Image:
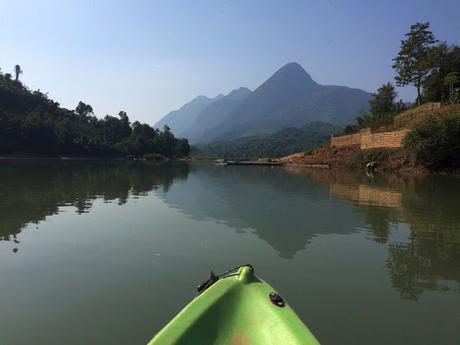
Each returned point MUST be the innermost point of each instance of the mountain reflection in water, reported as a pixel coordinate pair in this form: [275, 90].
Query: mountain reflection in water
[285, 208]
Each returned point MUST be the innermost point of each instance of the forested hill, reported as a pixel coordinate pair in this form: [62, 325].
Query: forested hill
[280, 143]
[31, 123]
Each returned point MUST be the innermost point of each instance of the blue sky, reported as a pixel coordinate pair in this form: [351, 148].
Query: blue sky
[150, 57]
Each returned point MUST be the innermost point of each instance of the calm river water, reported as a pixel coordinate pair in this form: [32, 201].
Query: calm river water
[107, 253]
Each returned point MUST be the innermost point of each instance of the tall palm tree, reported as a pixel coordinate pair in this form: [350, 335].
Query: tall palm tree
[18, 71]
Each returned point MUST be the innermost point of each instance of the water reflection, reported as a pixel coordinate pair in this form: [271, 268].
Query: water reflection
[417, 220]
[285, 210]
[429, 258]
[29, 192]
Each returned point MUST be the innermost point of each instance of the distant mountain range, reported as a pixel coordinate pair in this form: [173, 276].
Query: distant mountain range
[289, 98]
[213, 115]
[181, 119]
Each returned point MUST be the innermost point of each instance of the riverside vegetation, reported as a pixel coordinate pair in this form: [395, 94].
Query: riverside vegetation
[433, 68]
[33, 124]
[277, 144]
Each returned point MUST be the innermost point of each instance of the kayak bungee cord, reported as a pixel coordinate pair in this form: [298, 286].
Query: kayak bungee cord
[215, 277]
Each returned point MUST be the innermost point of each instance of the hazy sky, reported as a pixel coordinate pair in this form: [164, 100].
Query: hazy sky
[150, 57]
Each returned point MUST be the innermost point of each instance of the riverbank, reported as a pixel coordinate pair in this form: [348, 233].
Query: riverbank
[253, 162]
[352, 157]
[55, 158]
[31, 157]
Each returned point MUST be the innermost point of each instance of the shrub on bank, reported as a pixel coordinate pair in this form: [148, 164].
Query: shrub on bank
[380, 157]
[436, 143]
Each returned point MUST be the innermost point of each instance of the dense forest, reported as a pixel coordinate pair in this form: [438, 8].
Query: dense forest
[280, 143]
[33, 124]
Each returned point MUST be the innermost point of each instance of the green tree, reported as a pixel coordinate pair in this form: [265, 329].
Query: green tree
[450, 80]
[364, 119]
[83, 109]
[435, 144]
[400, 106]
[382, 108]
[383, 101]
[447, 61]
[17, 71]
[415, 60]
[125, 123]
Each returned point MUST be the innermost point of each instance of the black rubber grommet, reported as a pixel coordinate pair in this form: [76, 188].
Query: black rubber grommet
[276, 299]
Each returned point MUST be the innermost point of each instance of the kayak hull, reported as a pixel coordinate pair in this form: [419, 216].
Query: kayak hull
[236, 310]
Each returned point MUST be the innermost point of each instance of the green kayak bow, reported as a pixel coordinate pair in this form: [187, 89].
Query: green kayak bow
[236, 308]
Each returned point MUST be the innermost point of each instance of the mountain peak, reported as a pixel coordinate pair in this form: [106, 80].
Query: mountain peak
[289, 98]
[199, 98]
[292, 65]
[293, 69]
[239, 93]
[290, 81]
[180, 119]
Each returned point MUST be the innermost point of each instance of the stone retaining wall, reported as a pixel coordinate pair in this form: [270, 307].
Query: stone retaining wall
[368, 140]
[383, 140]
[346, 140]
[391, 136]
[416, 115]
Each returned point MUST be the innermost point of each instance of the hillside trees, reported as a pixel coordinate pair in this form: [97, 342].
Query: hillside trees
[450, 80]
[17, 71]
[383, 101]
[435, 142]
[447, 65]
[416, 58]
[432, 67]
[425, 63]
[383, 107]
[277, 144]
[31, 123]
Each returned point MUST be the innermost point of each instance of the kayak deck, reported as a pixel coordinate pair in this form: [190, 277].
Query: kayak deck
[236, 310]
